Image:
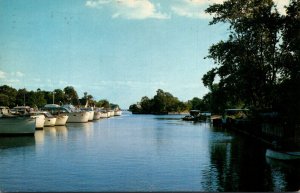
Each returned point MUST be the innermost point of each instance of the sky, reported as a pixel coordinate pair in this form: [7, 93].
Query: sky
[119, 50]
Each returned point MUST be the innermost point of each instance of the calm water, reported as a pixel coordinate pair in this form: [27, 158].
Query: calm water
[141, 153]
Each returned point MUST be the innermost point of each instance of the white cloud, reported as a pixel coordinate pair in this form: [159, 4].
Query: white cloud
[62, 82]
[196, 8]
[10, 77]
[2, 74]
[128, 84]
[193, 8]
[129, 9]
[19, 74]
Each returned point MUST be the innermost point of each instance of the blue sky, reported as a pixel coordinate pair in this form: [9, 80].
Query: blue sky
[120, 50]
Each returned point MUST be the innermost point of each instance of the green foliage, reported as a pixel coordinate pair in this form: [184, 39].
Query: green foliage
[161, 103]
[103, 103]
[9, 92]
[59, 96]
[36, 99]
[258, 65]
[134, 108]
[71, 95]
[11, 97]
[21, 97]
[4, 100]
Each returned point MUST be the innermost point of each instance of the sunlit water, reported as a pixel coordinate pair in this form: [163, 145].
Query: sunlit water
[141, 153]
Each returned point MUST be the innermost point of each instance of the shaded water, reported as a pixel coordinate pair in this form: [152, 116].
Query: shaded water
[141, 153]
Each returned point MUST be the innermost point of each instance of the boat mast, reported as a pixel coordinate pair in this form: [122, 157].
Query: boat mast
[24, 98]
[53, 97]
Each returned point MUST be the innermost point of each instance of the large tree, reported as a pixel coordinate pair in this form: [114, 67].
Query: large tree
[8, 96]
[71, 95]
[248, 62]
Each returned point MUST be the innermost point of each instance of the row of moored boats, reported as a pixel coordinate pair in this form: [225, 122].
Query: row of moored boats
[24, 120]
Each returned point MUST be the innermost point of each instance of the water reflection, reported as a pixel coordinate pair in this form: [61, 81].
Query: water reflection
[142, 153]
[39, 136]
[53, 133]
[62, 131]
[283, 172]
[237, 164]
[14, 142]
[218, 177]
[87, 128]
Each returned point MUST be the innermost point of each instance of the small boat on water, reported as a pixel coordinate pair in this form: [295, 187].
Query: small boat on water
[234, 115]
[117, 112]
[283, 155]
[97, 114]
[104, 114]
[17, 125]
[58, 112]
[75, 115]
[27, 111]
[50, 120]
[110, 113]
[3, 111]
[196, 115]
[90, 111]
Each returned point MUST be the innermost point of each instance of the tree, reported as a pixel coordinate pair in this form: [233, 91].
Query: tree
[103, 103]
[9, 92]
[288, 91]
[247, 60]
[4, 100]
[59, 96]
[162, 102]
[21, 97]
[71, 95]
[36, 99]
[134, 108]
[146, 104]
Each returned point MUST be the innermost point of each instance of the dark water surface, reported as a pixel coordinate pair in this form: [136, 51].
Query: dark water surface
[141, 153]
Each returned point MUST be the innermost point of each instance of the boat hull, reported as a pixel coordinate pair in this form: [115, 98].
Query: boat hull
[17, 126]
[282, 155]
[118, 113]
[49, 121]
[104, 115]
[78, 117]
[97, 115]
[40, 120]
[91, 115]
[61, 120]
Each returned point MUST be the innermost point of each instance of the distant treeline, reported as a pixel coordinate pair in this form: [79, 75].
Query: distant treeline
[12, 97]
[165, 102]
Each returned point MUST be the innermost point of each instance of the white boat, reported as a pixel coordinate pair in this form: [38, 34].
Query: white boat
[97, 115]
[75, 116]
[58, 112]
[61, 120]
[49, 119]
[282, 155]
[40, 120]
[90, 110]
[3, 111]
[26, 110]
[17, 125]
[110, 113]
[118, 113]
[104, 114]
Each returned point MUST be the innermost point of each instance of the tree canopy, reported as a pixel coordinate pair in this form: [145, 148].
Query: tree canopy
[11, 97]
[258, 65]
[161, 103]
